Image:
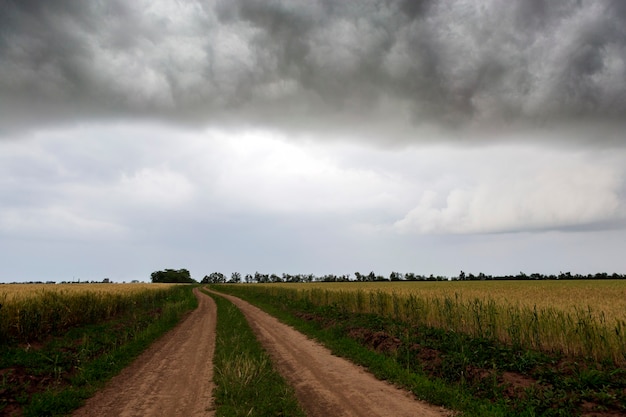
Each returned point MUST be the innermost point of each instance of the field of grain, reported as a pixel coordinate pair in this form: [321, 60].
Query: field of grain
[576, 318]
[31, 312]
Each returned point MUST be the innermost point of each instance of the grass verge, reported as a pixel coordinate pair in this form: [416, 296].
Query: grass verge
[54, 377]
[246, 382]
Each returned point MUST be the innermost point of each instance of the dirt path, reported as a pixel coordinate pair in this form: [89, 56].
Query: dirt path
[327, 385]
[172, 378]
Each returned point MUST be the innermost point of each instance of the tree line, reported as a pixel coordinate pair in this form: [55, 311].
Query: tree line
[236, 277]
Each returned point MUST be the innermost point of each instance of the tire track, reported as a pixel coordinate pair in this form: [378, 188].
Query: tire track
[173, 377]
[327, 385]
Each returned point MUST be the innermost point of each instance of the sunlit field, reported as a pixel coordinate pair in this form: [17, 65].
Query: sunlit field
[585, 317]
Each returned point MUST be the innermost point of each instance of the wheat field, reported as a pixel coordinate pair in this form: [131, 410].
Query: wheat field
[575, 318]
[30, 312]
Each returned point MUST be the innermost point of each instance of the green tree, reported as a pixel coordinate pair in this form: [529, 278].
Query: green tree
[181, 276]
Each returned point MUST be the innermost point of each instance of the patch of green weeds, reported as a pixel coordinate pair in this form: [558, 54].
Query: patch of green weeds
[246, 382]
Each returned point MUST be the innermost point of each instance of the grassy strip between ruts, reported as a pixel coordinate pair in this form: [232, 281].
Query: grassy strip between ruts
[55, 377]
[246, 382]
[434, 391]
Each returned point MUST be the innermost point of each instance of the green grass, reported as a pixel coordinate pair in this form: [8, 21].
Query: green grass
[246, 382]
[55, 376]
[452, 369]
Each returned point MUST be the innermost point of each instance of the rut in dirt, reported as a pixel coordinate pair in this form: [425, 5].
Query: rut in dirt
[327, 385]
[173, 377]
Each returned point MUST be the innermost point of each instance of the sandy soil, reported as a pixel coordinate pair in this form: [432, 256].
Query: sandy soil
[327, 385]
[172, 378]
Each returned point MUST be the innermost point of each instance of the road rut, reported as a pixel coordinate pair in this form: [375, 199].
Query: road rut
[171, 378]
[327, 385]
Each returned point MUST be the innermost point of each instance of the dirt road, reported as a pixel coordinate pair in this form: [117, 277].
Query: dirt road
[327, 385]
[172, 378]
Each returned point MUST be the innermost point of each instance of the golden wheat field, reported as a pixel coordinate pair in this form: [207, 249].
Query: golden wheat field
[14, 292]
[33, 311]
[583, 317]
[601, 296]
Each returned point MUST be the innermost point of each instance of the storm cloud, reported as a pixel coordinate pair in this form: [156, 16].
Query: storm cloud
[355, 65]
[323, 136]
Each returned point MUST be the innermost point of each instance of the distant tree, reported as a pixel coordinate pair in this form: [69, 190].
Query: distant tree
[217, 278]
[172, 276]
[261, 278]
[396, 276]
[235, 277]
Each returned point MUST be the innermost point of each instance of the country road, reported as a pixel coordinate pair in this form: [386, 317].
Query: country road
[327, 385]
[174, 376]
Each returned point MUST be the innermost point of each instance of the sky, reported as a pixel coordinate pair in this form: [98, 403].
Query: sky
[311, 136]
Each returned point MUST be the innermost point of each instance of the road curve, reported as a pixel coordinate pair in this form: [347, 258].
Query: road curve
[327, 385]
[173, 377]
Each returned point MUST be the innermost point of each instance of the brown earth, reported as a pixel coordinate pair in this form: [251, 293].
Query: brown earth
[327, 385]
[172, 378]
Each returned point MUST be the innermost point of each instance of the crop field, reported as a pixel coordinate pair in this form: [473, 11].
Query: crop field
[572, 317]
[524, 348]
[31, 312]
[58, 342]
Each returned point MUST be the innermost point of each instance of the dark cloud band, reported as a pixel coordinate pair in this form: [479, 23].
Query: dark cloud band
[306, 63]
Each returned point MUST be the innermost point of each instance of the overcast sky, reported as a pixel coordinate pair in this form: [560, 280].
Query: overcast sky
[303, 136]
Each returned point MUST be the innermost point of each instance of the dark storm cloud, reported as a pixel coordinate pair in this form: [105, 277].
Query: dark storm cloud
[312, 63]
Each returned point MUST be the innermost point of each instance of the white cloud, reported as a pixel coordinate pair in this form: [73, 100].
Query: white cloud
[248, 199]
[522, 189]
[158, 188]
[58, 223]
[261, 170]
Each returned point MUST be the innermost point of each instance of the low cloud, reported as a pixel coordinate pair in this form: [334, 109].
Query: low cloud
[152, 177]
[524, 192]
